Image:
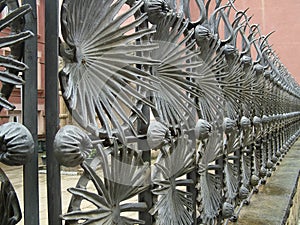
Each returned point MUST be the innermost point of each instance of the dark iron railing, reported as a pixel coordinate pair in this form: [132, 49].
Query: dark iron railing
[209, 96]
[17, 141]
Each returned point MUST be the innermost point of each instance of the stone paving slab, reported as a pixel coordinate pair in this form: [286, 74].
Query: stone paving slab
[271, 206]
[15, 174]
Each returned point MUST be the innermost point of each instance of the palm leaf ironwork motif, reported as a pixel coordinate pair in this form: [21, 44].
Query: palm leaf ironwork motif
[212, 69]
[210, 183]
[128, 60]
[176, 53]
[231, 145]
[100, 53]
[174, 205]
[125, 175]
[11, 64]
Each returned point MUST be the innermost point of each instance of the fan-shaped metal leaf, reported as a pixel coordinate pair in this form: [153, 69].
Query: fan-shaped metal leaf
[174, 206]
[210, 98]
[100, 76]
[231, 87]
[211, 151]
[12, 65]
[176, 52]
[233, 143]
[211, 197]
[246, 168]
[210, 183]
[231, 180]
[125, 176]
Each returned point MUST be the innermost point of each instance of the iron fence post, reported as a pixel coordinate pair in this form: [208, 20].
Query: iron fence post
[146, 196]
[52, 111]
[29, 117]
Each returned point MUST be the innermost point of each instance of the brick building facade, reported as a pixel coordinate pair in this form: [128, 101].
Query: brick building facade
[15, 98]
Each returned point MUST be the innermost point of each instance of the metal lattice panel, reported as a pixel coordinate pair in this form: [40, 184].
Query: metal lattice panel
[124, 56]
[207, 93]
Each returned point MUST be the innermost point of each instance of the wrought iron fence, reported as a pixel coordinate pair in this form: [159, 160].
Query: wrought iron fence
[207, 94]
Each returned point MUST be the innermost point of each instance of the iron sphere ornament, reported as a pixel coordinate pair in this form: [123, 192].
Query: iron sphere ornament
[17, 144]
[257, 121]
[245, 122]
[254, 180]
[156, 10]
[201, 33]
[157, 135]
[270, 164]
[243, 192]
[229, 125]
[229, 50]
[259, 69]
[227, 210]
[262, 171]
[277, 154]
[267, 74]
[71, 146]
[246, 60]
[274, 159]
[265, 119]
[202, 129]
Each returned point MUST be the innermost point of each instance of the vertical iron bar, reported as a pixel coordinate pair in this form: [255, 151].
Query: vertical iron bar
[220, 173]
[29, 118]
[192, 189]
[193, 176]
[146, 196]
[51, 108]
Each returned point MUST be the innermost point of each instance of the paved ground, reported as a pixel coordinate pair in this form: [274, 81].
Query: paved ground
[15, 176]
[273, 199]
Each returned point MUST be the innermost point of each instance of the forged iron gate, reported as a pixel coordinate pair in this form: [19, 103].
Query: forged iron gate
[206, 93]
